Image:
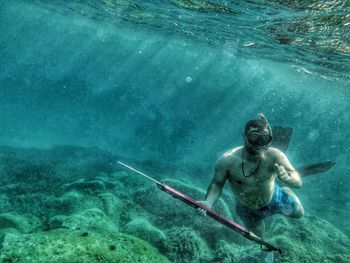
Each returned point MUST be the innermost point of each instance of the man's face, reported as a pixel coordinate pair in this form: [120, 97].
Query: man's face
[257, 139]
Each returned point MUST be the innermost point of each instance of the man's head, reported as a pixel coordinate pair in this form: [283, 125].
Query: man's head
[257, 135]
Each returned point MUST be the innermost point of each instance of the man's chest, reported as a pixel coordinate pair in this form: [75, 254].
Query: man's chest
[250, 173]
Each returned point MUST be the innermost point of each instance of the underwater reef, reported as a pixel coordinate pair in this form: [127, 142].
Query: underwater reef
[73, 204]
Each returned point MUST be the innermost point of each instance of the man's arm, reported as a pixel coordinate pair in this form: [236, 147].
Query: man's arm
[217, 183]
[286, 172]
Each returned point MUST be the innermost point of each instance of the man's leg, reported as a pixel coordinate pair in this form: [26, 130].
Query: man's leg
[252, 220]
[259, 230]
[298, 211]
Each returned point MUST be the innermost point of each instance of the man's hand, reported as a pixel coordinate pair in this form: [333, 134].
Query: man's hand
[201, 210]
[282, 174]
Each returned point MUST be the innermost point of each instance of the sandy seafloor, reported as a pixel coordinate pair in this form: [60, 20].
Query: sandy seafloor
[165, 88]
[73, 204]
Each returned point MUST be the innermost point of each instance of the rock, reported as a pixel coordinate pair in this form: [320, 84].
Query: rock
[66, 246]
[56, 222]
[107, 180]
[111, 205]
[75, 202]
[128, 181]
[25, 223]
[186, 246]
[85, 186]
[4, 231]
[4, 203]
[225, 253]
[91, 219]
[71, 202]
[168, 212]
[310, 239]
[143, 229]
[234, 253]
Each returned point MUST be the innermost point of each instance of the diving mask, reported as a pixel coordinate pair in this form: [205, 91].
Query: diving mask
[258, 139]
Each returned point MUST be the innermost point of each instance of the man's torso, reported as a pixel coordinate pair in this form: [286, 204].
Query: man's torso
[253, 183]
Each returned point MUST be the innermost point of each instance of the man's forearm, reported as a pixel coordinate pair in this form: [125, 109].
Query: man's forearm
[213, 193]
[295, 180]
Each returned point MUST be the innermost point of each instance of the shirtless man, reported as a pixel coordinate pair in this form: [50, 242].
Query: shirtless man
[251, 171]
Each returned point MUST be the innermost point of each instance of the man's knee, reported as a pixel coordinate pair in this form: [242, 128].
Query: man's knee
[259, 229]
[296, 204]
[299, 212]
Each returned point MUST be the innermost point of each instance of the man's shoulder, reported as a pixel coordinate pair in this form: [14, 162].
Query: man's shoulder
[232, 152]
[274, 152]
[230, 155]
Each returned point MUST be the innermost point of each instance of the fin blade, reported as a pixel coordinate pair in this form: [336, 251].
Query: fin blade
[316, 168]
[282, 136]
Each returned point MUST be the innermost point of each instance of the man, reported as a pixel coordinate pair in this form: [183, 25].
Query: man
[251, 171]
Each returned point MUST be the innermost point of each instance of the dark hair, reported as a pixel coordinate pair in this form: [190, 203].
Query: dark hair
[256, 123]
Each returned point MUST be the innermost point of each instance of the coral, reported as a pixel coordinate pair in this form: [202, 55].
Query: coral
[66, 246]
[143, 229]
[186, 246]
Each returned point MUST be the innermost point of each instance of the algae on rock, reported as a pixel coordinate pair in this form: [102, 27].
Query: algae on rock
[143, 229]
[66, 246]
[186, 246]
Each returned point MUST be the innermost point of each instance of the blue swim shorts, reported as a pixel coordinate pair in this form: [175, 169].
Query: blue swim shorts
[281, 203]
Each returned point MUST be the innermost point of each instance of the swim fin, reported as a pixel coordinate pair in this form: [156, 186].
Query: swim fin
[282, 136]
[316, 168]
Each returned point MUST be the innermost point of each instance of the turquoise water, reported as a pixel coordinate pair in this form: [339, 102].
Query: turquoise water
[168, 86]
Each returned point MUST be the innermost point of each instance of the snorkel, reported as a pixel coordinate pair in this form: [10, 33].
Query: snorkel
[257, 135]
[262, 116]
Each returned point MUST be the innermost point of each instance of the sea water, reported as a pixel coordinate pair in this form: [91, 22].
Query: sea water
[168, 86]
